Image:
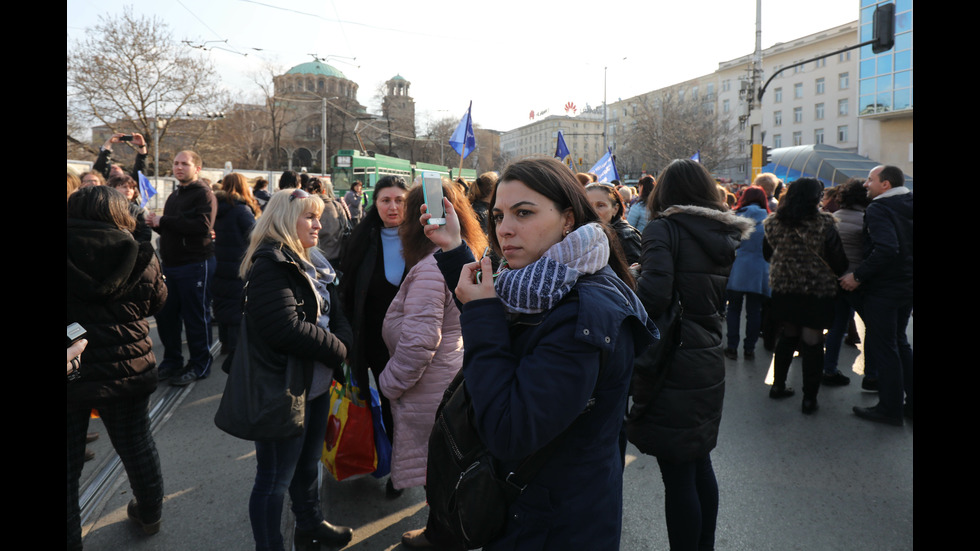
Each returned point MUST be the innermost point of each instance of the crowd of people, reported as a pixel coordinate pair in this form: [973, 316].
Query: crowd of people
[541, 287]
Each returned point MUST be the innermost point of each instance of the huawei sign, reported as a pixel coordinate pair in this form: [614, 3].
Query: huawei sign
[570, 107]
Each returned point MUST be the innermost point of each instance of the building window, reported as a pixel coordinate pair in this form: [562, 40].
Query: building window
[818, 135]
[842, 134]
[842, 107]
[778, 95]
[777, 118]
[798, 90]
[711, 89]
[844, 80]
[725, 107]
[777, 140]
[797, 138]
[844, 56]
[797, 114]
[818, 111]
[820, 85]
[822, 62]
[694, 93]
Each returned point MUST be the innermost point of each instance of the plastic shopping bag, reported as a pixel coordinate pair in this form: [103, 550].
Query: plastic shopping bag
[348, 447]
[382, 445]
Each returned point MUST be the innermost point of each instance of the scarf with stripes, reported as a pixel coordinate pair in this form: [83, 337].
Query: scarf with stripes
[539, 286]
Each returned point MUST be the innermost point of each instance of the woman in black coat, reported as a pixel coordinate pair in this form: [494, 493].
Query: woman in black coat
[237, 211]
[373, 270]
[689, 247]
[114, 283]
[291, 311]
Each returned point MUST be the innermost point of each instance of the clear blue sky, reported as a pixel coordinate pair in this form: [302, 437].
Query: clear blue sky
[508, 56]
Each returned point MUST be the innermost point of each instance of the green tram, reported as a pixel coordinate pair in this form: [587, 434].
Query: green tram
[349, 165]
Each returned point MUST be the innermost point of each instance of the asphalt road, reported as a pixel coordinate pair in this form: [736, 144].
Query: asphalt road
[787, 481]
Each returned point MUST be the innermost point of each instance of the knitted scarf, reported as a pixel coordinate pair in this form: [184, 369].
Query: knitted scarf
[539, 286]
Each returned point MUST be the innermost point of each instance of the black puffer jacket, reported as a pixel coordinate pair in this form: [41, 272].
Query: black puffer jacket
[630, 239]
[282, 310]
[680, 423]
[114, 283]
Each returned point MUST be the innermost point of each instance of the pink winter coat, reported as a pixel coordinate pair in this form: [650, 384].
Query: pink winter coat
[423, 335]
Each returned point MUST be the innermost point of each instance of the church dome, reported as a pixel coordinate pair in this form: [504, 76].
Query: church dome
[316, 68]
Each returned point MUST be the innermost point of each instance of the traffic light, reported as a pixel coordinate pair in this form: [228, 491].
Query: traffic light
[766, 155]
[883, 29]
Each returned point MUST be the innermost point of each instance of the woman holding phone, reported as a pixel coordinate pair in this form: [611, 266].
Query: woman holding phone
[535, 359]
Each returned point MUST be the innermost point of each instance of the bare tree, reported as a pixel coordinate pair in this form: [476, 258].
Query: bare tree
[279, 112]
[666, 129]
[129, 68]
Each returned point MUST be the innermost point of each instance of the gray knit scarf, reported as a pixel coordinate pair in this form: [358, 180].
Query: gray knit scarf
[539, 286]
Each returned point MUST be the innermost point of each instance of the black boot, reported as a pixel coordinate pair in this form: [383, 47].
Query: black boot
[323, 534]
[812, 359]
[782, 357]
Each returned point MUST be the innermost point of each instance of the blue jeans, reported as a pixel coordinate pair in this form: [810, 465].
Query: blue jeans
[188, 306]
[753, 318]
[691, 503]
[887, 349]
[843, 313]
[288, 464]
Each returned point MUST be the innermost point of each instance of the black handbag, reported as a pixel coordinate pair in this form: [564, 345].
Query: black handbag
[261, 401]
[468, 494]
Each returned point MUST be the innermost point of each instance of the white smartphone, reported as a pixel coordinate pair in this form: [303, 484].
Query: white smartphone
[432, 192]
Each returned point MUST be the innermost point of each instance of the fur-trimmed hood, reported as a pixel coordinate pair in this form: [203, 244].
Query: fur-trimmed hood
[746, 227]
[712, 229]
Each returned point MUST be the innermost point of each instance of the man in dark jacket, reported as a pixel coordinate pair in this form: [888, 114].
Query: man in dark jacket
[884, 278]
[187, 252]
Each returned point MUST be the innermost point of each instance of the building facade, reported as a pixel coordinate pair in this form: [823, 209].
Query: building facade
[884, 103]
[583, 136]
[810, 104]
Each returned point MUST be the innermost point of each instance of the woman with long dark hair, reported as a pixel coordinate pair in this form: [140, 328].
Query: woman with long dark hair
[806, 258]
[688, 248]
[534, 359]
[373, 270]
[292, 313]
[114, 284]
[748, 282]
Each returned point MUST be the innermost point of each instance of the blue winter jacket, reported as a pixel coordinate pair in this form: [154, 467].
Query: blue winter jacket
[530, 377]
[750, 272]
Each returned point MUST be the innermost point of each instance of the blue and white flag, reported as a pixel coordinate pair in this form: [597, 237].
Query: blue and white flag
[463, 141]
[605, 169]
[146, 189]
[696, 156]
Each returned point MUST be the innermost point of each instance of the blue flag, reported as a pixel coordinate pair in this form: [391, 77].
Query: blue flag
[146, 189]
[696, 156]
[463, 141]
[562, 150]
[605, 169]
